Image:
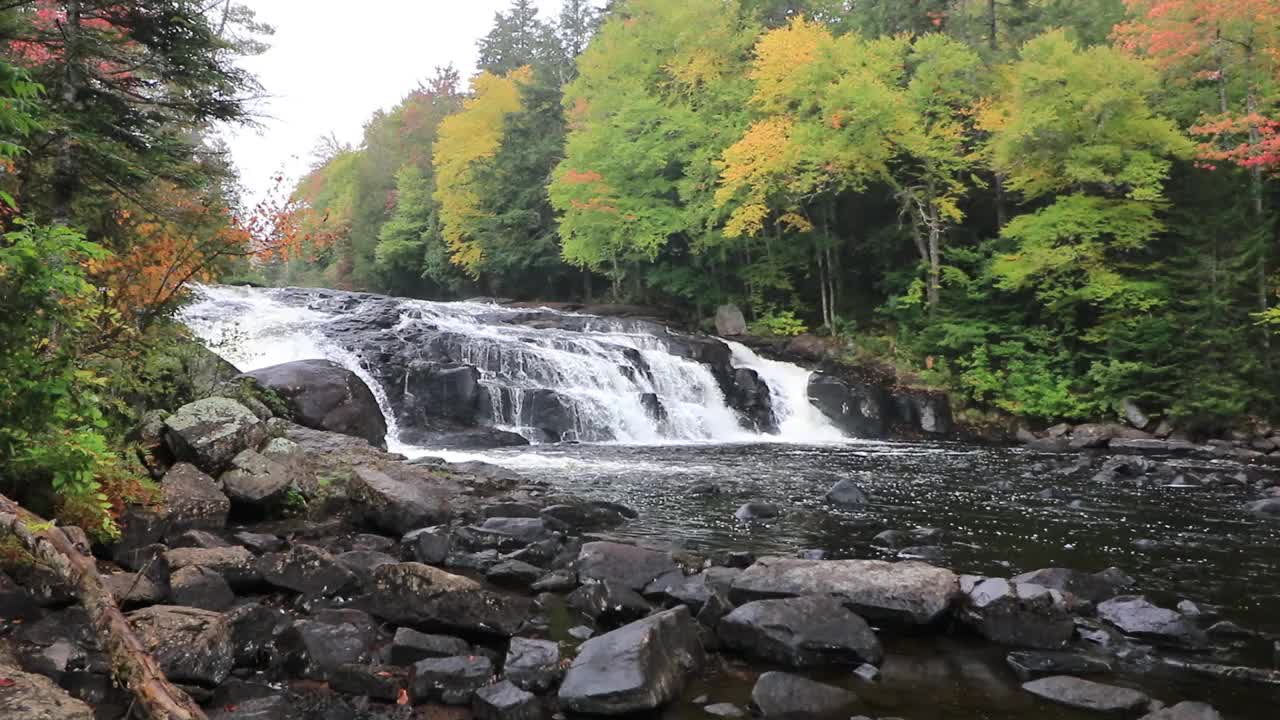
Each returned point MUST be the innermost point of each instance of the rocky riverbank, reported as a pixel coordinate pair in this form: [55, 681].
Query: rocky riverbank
[302, 572]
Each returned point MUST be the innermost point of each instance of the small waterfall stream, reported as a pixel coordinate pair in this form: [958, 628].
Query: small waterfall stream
[590, 378]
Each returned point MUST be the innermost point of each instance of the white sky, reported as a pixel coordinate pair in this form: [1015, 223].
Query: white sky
[331, 65]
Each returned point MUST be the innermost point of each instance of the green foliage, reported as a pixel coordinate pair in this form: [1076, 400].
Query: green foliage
[781, 323]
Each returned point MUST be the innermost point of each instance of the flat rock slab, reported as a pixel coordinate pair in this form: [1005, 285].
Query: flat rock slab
[910, 593]
[779, 695]
[35, 697]
[636, 668]
[1086, 694]
[1032, 664]
[191, 645]
[1185, 711]
[800, 632]
[628, 565]
[1137, 616]
[396, 506]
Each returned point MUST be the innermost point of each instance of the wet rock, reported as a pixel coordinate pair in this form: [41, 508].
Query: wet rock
[35, 697]
[628, 565]
[715, 608]
[609, 602]
[1135, 615]
[749, 395]
[724, 710]
[505, 533]
[460, 611]
[210, 432]
[235, 564]
[1029, 665]
[1087, 695]
[847, 495]
[190, 645]
[513, 574]
[450, 680]
[636, 668]
[428, 545]
[556, 581]
[377, 682]
[1019, 614]
[862, 410]
[314, 649]
[927, 553]
[867, 672]
[533, 665]
[192, 500]
[800, 632]
[200, 587]
[393, 505]
[509, 508]
[1152, 445]
[254, 630]
[255, 480]
[132, 590]
[1094, 587]
[581, 517]
[505, 701]
[1185, 711]
[198, 539]
[691, 590]
[409, 646]
[307, 570]
[323, 395]
[892, 538]
[752, 511]
[702, 489]
[398, 587]
[1267, 506]
[903, 592]
[581, 632]
[779, 695]
[258, 542]
[1091, 435]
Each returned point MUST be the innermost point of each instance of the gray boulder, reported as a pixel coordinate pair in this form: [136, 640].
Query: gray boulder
[1135, 615]
[1094, 587]
[323, 395]
[316, 649]
[423, 596]
[847, 495]
[190, 645]
[783, 696]
[235, 564]
[1019, 614]
[628, 565]
[192, 500]
[255, 480]
[533, 665]
[200, 587]
[210, 432]
[505, 701]
[730, 322]
[307, 570]
[35, 697]
[800, 632]
[393, 505]
[451, 680]
[1032, 664]
[1086, 694]
[409, 646]
[636, 668]
[911, 593]
[752, 511]
[862, 410]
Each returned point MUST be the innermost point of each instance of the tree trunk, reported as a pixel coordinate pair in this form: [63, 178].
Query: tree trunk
[991, 20]
[1259, 210]
[65, 175]
[132, 665]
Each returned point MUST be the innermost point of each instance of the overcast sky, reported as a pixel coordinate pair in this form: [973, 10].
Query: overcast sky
[332, 64]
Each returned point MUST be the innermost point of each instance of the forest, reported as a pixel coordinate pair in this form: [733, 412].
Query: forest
[1046, 207]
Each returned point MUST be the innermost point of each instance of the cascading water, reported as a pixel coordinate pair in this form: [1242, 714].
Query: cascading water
[546, 374]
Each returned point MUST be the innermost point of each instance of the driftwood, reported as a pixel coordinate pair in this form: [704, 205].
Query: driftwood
[133, 667]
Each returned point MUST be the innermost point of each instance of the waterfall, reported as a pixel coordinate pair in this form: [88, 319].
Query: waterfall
[546, 374]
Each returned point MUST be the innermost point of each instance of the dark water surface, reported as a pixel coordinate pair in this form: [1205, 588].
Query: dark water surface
[1201, 545]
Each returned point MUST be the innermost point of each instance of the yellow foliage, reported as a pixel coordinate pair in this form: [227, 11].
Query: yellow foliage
[464, 140]
[752, 166]
[780, 56]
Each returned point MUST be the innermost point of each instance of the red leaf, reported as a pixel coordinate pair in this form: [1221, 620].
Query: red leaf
[6, 682]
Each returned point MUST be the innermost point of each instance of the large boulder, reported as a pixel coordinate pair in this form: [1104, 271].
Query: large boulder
[800, 632]
[316, 649]
[393, 505]
[911, 593]
[550, 412]
[783, 696]
[443, 391]
[862, 410]
[928, 411]
[322, 394]
[730, 322]
[1135, 615]
[847, 495]
[533, 665]
[192, 500]
[191, 645]
[630, 566]
[1086, 694]
[636, 668]
[423, 596]
[1094, 587]
[308, 570]
[451, 680]
[753, 400]
[210, 432]
[255, 480]
[235, 564]
[27, 696]
[1019, 614]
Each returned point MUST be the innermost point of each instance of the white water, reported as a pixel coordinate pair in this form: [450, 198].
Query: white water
[595, 369]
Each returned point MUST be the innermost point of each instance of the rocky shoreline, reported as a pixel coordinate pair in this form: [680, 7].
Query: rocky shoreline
[302, 572]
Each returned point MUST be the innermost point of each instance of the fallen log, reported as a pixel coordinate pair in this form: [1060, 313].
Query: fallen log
[133, 667]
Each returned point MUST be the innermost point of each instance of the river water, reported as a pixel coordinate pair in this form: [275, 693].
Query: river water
[1001, 511]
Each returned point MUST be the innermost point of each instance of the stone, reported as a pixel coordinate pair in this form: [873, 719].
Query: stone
[308, 570]
[861, 410]
[783, 696]
[867, 672]
[255, 480]
[1185, 711]
[189, 644]
[235, 564]
[1086, 694]
[393, 505]
[428, 545]
[581, 517]
[132, 590]
[800, 632]
[450, 680]
[362, 564]
[192, 500]
[197, 539]
[556, 581]
[630, 566]
[533, 665]
[376, 682]
[210, 432]
[254, 630]
[892, 538]
[581, 632]
[200, 587]
[847, 495]
[506, 533]
[1134, 415]
[269, 707]
[608, 602]
[505, 701]
[636, 668]
[911, 593]
[27, 696]
[1019, 614]
[314, 649]
[724, 710]
[463, 611]
[1094, 587]
[730, 321]
[1032, 664]
[1266, 506]
[752, 511]
[323, 395]
[258, 542]
[1091, 435]
[1135, 615]
[691, 590]
[409, 646]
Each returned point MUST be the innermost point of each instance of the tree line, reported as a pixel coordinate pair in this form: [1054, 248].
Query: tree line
[1047, 207]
